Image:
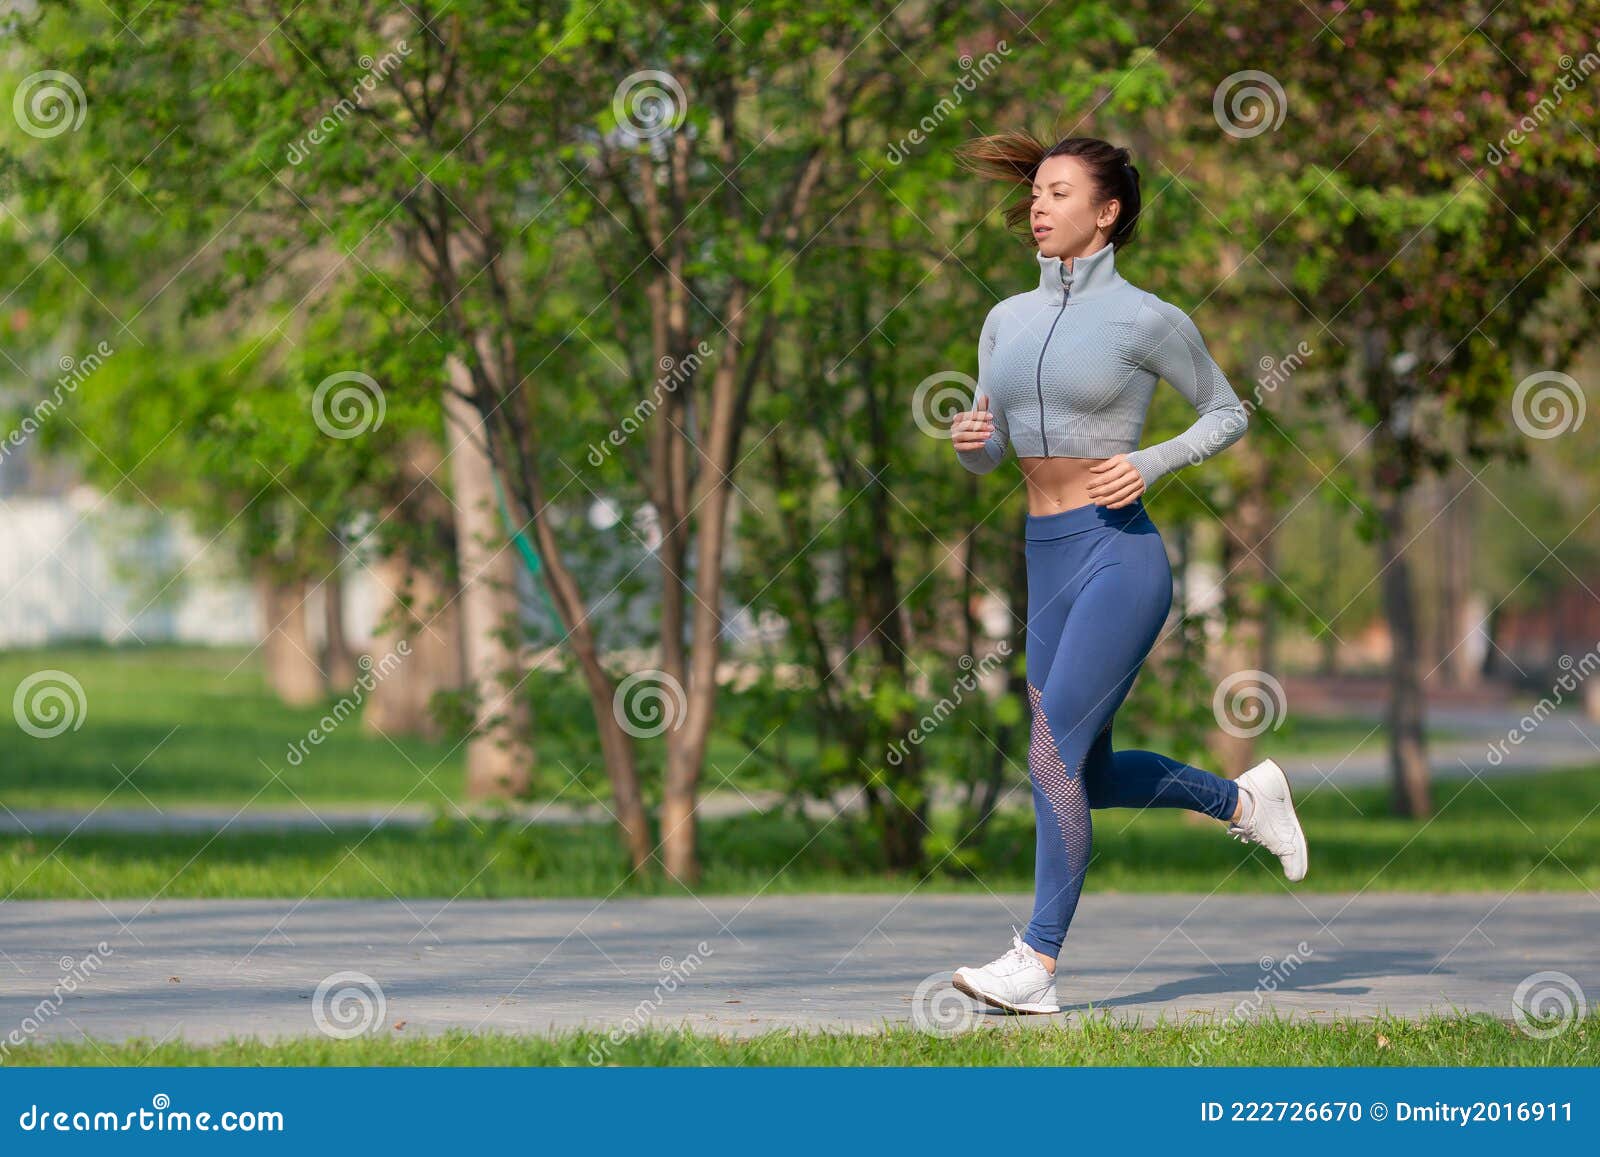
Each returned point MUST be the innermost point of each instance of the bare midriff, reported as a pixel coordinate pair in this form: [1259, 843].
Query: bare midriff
[1057, 484]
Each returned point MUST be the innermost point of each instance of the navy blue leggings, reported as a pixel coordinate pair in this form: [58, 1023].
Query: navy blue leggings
[1099, 589]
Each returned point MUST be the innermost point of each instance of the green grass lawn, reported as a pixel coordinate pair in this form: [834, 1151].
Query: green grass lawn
[1532, 833]
[192, 726]
[187, 725]
[1476, 1040]
[197, 726]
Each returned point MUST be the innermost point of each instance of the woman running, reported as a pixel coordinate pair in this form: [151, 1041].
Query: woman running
[1066, 371]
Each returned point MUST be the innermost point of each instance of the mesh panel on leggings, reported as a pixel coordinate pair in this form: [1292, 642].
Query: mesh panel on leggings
[1066, 794]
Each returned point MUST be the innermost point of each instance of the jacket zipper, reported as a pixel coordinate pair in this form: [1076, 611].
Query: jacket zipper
[1038, 373]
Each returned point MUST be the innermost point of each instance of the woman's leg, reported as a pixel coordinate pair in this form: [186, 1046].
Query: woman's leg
[1141, 779]
[1114, 619]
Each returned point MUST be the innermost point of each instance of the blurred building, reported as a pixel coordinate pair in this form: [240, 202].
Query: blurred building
[78, 565]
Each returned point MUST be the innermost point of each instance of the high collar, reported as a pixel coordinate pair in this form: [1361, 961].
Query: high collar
[1088, 275]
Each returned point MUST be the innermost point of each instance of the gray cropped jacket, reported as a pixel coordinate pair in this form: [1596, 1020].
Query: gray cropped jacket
[1070, 367]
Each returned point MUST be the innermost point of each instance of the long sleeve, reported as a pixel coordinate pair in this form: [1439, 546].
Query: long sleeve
[987, 456]
[1171, 347]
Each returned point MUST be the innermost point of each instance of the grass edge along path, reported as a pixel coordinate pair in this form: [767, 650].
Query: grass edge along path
[1539, 832]
[1474, 1039]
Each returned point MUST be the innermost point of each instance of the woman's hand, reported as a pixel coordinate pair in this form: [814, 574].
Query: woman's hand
[972, 429]
[1116, 482]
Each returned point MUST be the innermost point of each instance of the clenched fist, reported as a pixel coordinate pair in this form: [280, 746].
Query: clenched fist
[972, 429]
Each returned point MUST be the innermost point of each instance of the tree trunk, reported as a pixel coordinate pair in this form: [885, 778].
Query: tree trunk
[1408, 758]
[696, 671]
[338, 659]
[1328, 588]
[902, 799]
[286, 648]
[1246, 643]
[532, 509]
[421, 615]
[499, 754]
[422, 610]
[1464, 659]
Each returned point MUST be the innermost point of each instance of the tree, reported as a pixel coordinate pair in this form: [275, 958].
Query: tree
[493, 208]
[1428, 177]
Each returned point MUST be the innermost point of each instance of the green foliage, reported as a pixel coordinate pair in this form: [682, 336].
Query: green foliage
[244, 216]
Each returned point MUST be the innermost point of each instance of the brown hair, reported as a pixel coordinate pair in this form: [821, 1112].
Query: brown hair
[1015, 157]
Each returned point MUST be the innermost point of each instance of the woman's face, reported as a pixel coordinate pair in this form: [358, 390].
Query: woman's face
[1066, 222]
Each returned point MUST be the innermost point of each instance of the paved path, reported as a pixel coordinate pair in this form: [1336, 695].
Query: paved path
[206, 969]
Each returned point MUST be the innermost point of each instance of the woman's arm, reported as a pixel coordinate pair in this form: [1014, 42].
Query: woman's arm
[1170, 346]
[987, 456]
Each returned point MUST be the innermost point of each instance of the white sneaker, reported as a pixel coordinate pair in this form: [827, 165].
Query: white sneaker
[1016, 982]
[1273, 823]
